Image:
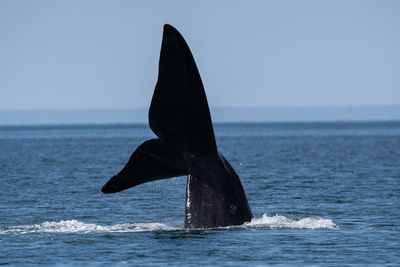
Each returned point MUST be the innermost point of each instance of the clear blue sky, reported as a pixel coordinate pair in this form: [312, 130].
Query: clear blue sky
[104, 54]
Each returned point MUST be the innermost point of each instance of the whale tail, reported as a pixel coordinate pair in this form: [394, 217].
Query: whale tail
[179, 116]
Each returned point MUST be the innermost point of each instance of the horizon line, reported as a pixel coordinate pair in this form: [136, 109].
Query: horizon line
[211, 107]
[218, 114]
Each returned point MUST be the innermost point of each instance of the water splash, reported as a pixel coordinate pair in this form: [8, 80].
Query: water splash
[277, 221]
[74, 226]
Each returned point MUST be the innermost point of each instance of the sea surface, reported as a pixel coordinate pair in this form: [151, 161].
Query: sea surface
[321, 194]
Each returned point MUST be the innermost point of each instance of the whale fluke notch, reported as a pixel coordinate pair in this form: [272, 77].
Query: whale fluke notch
[180, 117]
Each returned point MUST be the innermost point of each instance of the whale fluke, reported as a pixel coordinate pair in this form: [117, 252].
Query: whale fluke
[152, 160]
[179, 111]
[180, 117]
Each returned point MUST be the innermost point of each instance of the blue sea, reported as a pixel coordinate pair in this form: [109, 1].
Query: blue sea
[321, 194]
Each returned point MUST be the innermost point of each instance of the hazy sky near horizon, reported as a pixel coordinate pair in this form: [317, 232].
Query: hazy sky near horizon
[104, 54]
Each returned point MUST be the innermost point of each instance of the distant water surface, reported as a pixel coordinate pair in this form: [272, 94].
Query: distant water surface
[321, 193]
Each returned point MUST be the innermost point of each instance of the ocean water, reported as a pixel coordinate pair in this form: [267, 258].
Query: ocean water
[321, 194]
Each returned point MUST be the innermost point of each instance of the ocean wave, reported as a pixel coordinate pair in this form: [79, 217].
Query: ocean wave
[74, 226]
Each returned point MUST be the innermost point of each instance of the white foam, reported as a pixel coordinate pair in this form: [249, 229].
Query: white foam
[74, 226]
[277, 221]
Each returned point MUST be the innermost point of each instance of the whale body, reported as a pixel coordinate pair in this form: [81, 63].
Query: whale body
[180, 117]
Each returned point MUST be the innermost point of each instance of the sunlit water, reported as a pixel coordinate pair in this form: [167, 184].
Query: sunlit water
[321, 193]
